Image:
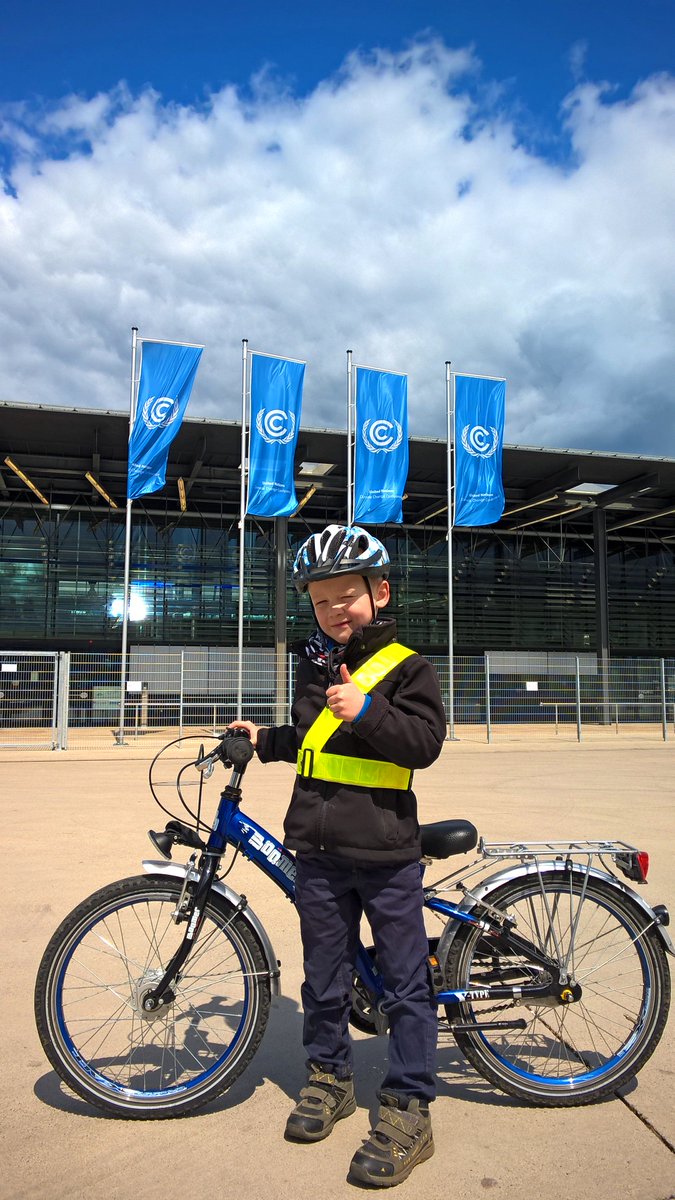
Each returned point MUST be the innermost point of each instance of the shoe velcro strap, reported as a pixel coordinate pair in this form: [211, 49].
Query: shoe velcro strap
[319, 1076]
[400, 1127]
[324, 1094]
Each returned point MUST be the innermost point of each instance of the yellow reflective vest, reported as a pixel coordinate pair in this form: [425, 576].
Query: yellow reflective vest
[315, 763]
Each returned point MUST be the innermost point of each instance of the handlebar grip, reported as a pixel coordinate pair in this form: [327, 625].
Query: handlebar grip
[234, 749]
[238, 749]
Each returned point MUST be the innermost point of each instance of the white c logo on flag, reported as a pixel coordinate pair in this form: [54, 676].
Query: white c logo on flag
[159, 411]
[275, 425]
[479, 441]
[381, 435]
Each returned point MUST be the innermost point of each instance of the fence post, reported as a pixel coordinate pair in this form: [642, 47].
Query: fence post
[62, 700]
[578, 700]
[56, 697]
[488, 715]
[664, 711]
[180, 704]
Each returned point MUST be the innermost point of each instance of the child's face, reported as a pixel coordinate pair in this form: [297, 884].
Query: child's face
[342, 604]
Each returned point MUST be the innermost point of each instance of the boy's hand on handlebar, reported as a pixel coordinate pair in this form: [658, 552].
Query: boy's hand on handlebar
[345, 700]
[252, 730]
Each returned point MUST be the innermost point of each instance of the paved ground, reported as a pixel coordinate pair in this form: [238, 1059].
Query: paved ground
[72, 822]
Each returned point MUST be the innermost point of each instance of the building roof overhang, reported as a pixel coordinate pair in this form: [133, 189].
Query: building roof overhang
[547, 490]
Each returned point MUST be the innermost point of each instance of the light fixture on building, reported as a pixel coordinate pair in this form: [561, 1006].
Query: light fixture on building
[549, 517]
[652, 516]
[100, 489]
[532, 504]
[429, 517]
[307, 496]
[24, 478]
[182, 496]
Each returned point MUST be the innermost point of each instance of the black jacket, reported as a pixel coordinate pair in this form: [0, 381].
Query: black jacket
[405, 724]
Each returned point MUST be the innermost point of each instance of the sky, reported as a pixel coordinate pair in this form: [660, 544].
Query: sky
[490, 183]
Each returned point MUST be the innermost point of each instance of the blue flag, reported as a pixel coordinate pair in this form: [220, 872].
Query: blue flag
[479, 436]
[381, 461]
[167, 374]
[276, 407]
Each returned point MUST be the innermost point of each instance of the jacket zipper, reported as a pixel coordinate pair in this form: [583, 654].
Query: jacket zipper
[322, 824]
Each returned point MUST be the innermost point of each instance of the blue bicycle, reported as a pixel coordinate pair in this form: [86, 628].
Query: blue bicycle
[154, 993]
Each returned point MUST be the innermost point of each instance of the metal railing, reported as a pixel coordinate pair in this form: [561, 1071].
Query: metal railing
[60, 700]
[511, 695]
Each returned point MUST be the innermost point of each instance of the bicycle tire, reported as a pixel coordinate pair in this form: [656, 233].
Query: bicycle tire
[580, 1052]
[110, 949]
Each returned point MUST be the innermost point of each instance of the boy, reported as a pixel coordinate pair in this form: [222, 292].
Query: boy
[366, 713]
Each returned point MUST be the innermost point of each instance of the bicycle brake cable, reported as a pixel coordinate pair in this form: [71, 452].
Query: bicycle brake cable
[195, 817]
[234, 859]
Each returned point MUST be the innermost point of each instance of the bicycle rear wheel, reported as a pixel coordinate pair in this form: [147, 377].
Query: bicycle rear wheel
[579, 1052]
[103, 958]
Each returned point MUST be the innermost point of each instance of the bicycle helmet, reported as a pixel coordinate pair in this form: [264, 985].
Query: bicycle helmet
[339, 550]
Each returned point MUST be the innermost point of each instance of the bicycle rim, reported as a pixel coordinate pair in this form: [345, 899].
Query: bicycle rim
[106, 956]
[579, 1052]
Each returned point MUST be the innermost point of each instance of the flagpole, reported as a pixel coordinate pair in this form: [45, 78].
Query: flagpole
[242, 513]
[127, 545]
[350, 492]
[450, 409]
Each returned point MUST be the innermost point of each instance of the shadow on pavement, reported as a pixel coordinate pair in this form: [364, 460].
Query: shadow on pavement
[280, 1059]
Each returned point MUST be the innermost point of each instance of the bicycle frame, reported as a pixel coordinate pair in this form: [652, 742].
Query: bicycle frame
[539, 928]
[243, 833]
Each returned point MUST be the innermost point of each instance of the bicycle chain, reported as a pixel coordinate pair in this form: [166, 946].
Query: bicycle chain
[495, 1008]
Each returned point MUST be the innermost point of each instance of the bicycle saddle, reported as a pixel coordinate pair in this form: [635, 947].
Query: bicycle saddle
[443, 838]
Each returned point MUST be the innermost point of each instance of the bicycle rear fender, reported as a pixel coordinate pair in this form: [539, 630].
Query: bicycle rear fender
[179, 871]
[483, 890]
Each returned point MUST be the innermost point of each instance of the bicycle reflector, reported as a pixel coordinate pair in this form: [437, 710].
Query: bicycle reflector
[634, 864]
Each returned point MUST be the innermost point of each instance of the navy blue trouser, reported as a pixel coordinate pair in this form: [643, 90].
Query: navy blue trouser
[331, 896]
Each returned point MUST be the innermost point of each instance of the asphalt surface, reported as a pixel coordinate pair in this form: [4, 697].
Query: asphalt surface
[74, 821]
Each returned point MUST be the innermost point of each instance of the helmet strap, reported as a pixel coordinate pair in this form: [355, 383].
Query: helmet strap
[373, 606]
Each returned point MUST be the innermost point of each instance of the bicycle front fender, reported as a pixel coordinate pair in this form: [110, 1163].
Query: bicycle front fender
[522, 870]
[179, 871]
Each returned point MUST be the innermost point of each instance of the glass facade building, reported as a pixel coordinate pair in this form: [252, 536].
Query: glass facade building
[61, 578]
[583, 559]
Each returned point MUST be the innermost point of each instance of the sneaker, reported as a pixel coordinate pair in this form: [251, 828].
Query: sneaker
[325, 1100]
[401, 1139]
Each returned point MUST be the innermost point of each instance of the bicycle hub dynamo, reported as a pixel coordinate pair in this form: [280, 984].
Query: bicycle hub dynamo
[145, 1004]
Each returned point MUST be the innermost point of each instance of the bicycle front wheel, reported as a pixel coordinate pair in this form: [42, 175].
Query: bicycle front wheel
[114, 948]
[576, 1053]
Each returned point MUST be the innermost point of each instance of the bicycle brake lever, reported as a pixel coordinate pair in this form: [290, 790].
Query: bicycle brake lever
[206, 763]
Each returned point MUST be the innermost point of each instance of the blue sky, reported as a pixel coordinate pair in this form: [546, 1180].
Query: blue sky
[182, 50]
[489, 182]
[532, 51]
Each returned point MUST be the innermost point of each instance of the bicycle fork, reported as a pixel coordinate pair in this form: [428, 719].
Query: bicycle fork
[192, 912]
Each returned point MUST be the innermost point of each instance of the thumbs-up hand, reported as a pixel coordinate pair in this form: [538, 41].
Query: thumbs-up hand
[345, 700]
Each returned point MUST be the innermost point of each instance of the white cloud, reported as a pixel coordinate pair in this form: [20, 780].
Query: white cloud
[393, 211]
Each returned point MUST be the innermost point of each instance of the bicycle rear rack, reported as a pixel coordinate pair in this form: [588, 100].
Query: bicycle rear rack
[630, 861]
[528, 851]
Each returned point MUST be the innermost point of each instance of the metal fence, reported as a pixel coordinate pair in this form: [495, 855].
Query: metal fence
[68, 699]
[61, 700]
[513, 696]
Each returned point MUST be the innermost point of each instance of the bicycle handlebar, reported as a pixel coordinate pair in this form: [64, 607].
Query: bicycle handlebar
[234, 749]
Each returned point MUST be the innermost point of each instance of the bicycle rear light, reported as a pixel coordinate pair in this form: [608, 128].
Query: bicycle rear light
[634, 864]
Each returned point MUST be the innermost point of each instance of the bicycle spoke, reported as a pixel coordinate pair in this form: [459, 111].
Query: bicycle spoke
[566, 1052]
[98, 969]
